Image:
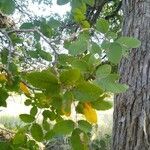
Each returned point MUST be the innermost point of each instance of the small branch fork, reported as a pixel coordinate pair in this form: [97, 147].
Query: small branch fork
[11, 48]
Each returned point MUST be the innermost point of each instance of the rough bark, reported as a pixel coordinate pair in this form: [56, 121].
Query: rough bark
[131, 129]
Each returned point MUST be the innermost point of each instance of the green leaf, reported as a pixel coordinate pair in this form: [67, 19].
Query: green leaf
[64, 59]
[33, 111]
[33, 54]
[93, 61]
[7, 6]
[44, 80]
[20, 138]
[79, 15]
[49, 114]
[15, 39]
[81, 65]
[42, 101]
[114, 53]
[129, 42]
[105, 45]
[79, 46]
[103, 71]
[37, 36]
[66, 45]
[46, 125]
[79, 108]
[27, 25]
[118, 88]
[66, 103]
[59, 118]
[13, 85]
[109, 84]
[79, 140]
[45, 55]
[89, 2]
[27, 118]
[4, 55]
[37, 132]
[31, 145]
[102, 25]
[101, 105]
[85, 24]
[64, 127]
[87, 92]
[46, 30]
[57, 102]
[46, 114]
[84, 126]
[49, 135]
[38, 46]
[70, 76]
[111, 35]
[78, 4]
[13, 68]
[37, 22]
[53, 23]
[28, 102]
[62, 2]
[5, 145]
[3, 97]
[95, 48]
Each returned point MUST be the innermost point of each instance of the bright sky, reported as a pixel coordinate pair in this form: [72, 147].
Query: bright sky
[41, 10]
[45, 10]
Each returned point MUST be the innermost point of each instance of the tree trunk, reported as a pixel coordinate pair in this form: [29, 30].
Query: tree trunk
[131, 128]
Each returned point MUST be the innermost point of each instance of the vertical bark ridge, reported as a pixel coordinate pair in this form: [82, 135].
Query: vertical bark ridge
[131, 129]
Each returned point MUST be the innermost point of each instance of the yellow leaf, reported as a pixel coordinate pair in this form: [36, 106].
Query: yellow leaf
[3, 77]
[90, 113]
[24, 88]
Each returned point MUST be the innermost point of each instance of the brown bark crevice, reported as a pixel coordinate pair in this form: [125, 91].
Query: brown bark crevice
[131, 129]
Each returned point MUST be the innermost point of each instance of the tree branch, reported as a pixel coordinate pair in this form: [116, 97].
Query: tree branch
[6, 33]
